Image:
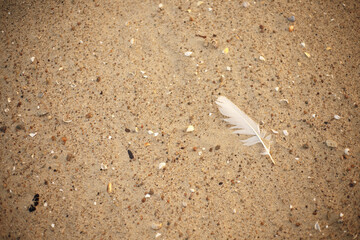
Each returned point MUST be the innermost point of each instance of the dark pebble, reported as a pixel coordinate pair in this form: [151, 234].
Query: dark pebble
[306, 146]
[131, 155]
[69, 157]
[40, 95]
[127, 130]
[19, 127]
[291, 19]
[3, 129]
[32, 208]
[217, 147]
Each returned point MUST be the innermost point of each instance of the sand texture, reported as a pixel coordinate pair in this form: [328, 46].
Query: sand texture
[109, 127]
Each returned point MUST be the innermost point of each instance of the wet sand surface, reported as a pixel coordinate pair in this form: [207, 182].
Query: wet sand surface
[96, 99]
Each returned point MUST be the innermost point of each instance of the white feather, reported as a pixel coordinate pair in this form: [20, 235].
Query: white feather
[244, 124]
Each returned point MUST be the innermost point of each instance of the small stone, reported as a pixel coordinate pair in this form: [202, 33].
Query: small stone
[156, 226]
[184, 204]
[217, 147]
[162, 165]
[291, 28]
[19, 127]
[302, 44]
[109, 188]
[69, 157]
[89, 115]
[346, 151]
[157, 235]
[127, 130]
[161, 5]
[331, 143]
[225, 51]
[52, 225]
[262, 58]
[40, 95]
[285, 132]
[32, 59]
[291, 19]
[337, 117]
[3, 129]
[305, 146]
[190, 128]
[131, 155]
[317, 226]
[245, 4]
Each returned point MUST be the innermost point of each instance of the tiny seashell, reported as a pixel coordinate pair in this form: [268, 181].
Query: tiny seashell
[317, 227]
[32, 134]
[156, 226]
[286, 133]
[188, 54]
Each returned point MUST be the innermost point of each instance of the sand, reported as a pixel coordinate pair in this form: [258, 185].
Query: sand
[102, 92]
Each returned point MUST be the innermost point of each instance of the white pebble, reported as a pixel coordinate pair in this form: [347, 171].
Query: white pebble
[286, 133]
[188, 54]
[277, 89]
[302, 44]
[190, 128]
[161, 5]
[341, 215]
[192, 190]
[317, 227]
[45, 204]
[262, 58]
[150, 132]
[346, 151]
[52, 225]
[147, 195]
[155, 134]
[184, 204]
[314, 115]
[228, 68]
[337, 117]
[291, 207]
[162, 165]
[32, 59]
[157, 235]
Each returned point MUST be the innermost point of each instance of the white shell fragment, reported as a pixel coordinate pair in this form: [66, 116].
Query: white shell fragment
[274, 131]
[277, 89]
[32, 59]
[32, 134]
[162, 165]
[303, 44]
[317, 226]
[262, 58]
[246, 4]
[337, 117]
[190, 128]
[157, 235]
[156, 226]
[188, 54]
[346, 151]
[285, 132]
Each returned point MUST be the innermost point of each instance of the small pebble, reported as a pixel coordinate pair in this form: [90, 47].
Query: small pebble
[190, 128]
[274, 131]
[277, 89]
[291, 28]
[147, 195]
[225, 51]
[131, 155]
[337, 117]
[109, 187]
[161, 5]
[228, 68]
[40, 95]
[285, 132]
[162, 165]
[262, 58]
[184, 204]
[32, 59]
[317, 227]
[302, 44]
[291, 19]
[346, 151]
[331, 143]
[52, 225]
[157, 235]
[150, 132]
[341, 215]
[156, 134]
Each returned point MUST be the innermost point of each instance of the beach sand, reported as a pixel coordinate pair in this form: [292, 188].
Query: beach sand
[96, 98]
